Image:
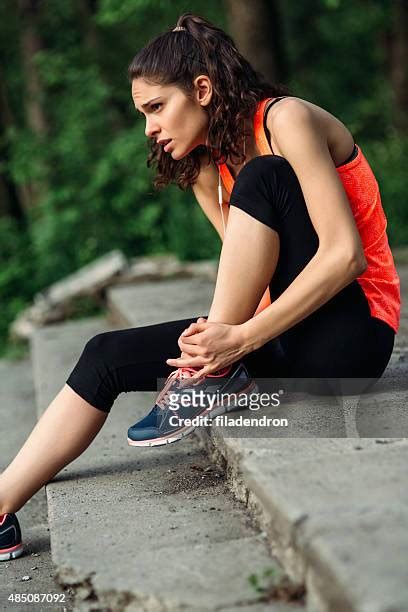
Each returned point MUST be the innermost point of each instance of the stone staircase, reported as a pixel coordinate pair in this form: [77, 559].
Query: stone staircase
[146, 529]
[212, 522]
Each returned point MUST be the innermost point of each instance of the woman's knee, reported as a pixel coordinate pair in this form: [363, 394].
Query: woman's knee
[264, 168]
[266, 188]
[93, 375]
[268, 179]
[102, 346]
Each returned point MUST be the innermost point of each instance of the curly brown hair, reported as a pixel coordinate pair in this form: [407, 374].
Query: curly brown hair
[177, 58]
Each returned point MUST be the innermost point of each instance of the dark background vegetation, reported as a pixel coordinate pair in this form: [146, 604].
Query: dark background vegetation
[73, 177]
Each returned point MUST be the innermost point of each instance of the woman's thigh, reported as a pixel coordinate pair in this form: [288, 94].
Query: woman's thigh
[340, 340]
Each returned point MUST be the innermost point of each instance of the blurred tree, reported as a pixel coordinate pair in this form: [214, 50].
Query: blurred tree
[399, 64]
[31, 44]
[10, 198]
[259, 33]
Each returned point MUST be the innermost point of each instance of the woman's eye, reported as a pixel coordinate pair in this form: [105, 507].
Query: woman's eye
[157, 104]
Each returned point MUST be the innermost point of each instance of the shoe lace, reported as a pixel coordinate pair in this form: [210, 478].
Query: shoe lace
[3, 518]
[179, 374]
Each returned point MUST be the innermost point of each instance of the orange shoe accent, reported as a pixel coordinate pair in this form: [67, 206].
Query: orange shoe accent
[6, 550]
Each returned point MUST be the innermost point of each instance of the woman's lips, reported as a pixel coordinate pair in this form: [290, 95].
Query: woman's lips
[165, 147]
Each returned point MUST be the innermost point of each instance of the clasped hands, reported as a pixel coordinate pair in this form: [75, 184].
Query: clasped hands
[209, 345]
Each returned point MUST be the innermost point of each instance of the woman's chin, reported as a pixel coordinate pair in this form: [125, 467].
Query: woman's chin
[180, 154]
[177, 154]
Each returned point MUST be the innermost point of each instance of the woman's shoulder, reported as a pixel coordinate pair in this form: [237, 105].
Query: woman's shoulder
[339, 139]
[285, 108]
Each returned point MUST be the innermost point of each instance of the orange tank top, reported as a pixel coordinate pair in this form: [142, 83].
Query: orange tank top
[380, 282]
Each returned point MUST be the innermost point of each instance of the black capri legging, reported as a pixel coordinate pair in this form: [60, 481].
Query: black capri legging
[339, 340]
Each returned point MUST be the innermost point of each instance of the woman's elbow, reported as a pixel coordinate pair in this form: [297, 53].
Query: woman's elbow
[348, 263]
[356, 264]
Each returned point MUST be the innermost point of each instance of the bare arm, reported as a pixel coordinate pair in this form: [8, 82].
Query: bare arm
[340, 256]
[205, 190]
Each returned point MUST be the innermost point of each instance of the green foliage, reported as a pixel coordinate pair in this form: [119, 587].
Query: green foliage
[97, 192]
[386, 159]
[16, 272]
[263, 582]
[274, 584]
[340, 63]
[16, 350]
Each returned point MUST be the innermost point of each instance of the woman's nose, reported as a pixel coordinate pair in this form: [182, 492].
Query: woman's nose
[150, 130]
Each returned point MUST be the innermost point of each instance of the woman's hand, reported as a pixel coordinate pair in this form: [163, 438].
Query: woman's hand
[211, 346]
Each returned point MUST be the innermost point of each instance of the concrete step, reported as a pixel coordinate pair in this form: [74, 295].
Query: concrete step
[149, 303]
[144, 529]
[327, 505]
[17, 418]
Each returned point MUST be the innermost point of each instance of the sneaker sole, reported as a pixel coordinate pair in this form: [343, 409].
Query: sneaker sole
[13, 553]
[182, 433]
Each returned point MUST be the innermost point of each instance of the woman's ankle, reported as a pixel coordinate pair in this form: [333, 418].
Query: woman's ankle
[4, 509]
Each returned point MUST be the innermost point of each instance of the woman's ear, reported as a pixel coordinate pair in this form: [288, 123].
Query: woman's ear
[204, 89]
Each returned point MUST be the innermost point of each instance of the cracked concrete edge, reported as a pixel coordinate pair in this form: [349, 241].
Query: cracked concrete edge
[88, 596]
[325, 591]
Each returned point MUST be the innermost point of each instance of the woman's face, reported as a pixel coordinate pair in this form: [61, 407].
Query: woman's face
[170, 114]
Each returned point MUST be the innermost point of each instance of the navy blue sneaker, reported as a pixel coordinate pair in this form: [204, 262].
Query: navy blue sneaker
[10, 537]
[182, 401]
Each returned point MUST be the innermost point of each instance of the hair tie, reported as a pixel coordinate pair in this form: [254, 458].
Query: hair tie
[178, 28]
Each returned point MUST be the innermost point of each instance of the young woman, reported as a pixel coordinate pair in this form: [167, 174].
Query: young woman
[306, 284]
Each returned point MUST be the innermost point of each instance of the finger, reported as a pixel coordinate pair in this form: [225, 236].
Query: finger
[191, 346]
[188, 330]
[191, 340]
[180, 362]
[190, 349]
[194, 328]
